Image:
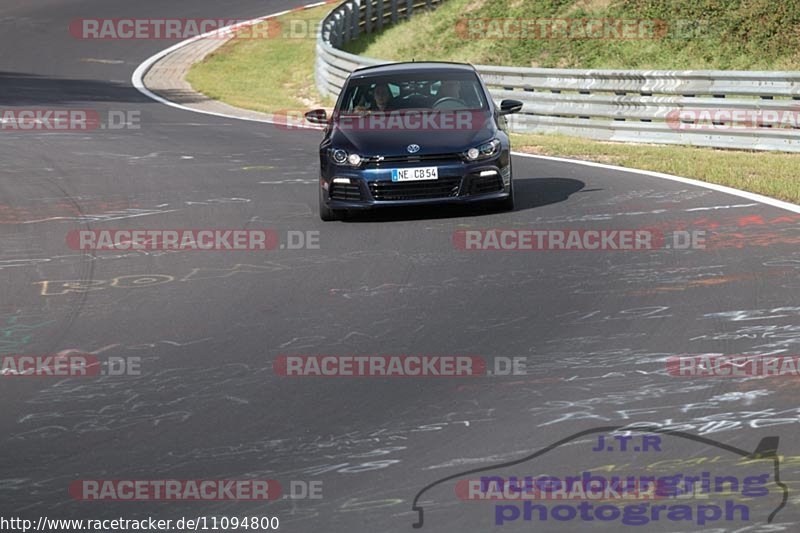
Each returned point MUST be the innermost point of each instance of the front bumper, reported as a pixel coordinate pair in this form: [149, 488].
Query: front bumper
[458, 183]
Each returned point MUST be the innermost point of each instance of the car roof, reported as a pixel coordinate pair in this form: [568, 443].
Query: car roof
[409, 67]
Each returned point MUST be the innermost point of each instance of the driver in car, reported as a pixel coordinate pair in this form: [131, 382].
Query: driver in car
[449, 89]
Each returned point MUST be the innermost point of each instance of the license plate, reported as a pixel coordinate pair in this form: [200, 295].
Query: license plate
[415, 174]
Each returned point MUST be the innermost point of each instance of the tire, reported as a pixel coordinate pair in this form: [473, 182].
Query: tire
[326, 214]
[508, 203]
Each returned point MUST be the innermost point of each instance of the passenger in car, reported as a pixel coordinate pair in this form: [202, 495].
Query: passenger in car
[382, 100]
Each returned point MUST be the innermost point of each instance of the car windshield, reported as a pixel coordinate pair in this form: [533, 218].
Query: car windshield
[425, 91]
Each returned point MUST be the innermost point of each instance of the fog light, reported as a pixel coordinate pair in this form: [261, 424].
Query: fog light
[485, 173]
[341, 180]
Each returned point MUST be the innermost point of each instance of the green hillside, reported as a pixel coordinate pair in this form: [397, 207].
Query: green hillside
[673, 34]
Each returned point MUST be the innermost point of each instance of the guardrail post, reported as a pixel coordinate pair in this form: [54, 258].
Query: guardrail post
[333, 32]
[394, 11]
[368, 17]
[379, 15]
[409, 8]
[356, 30]
[340, 30]
[348, 22]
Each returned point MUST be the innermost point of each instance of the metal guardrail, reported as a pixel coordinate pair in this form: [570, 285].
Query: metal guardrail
[347, 22]
[717, 108]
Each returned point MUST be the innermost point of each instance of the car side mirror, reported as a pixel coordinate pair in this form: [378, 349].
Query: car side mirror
[508, 107]
[317, 116]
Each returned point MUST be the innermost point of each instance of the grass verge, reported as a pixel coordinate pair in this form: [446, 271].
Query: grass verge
[769, 173]
[265, 75]
[278, 74]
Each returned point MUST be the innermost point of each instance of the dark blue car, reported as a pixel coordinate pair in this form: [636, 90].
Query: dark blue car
[414, 134]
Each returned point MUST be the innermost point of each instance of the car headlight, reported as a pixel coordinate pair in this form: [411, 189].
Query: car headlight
[341, 157]
[483, 151]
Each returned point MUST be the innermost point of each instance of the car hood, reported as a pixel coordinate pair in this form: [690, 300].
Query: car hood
[393, 141]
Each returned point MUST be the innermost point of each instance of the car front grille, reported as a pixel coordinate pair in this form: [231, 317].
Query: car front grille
[345, 191]
[484, 184]
[414, 158]
[415, 190]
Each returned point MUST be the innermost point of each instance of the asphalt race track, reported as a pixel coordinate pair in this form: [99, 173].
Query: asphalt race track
[595, 326]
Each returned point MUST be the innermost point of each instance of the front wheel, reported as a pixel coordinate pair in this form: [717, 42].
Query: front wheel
[507, 204]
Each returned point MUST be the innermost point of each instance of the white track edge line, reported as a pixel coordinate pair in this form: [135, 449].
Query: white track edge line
[795, 208]
[137, 78]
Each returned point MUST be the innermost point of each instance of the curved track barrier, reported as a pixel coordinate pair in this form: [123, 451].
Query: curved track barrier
[725, 109]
